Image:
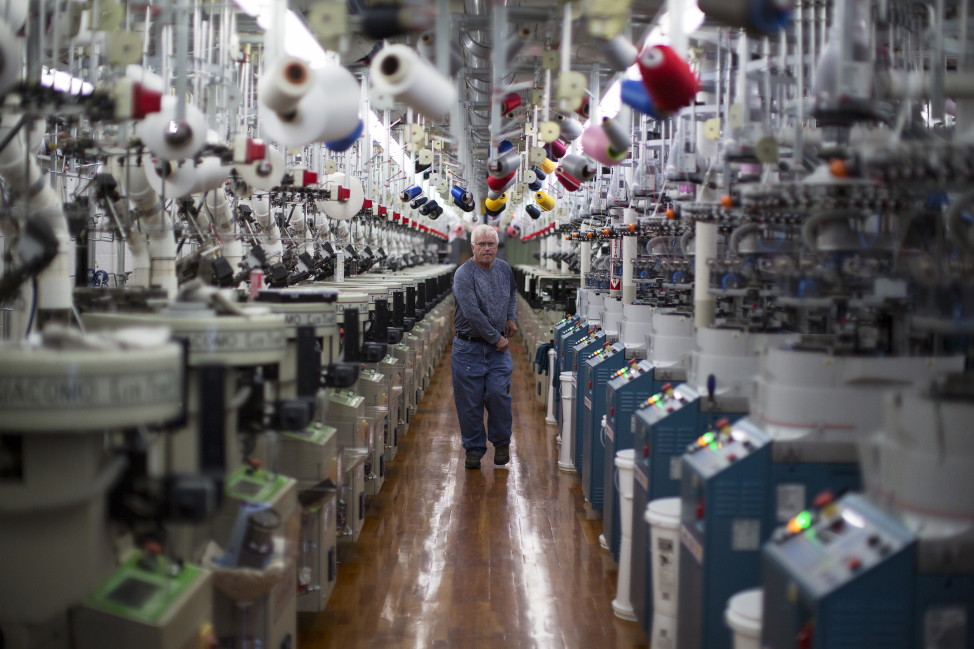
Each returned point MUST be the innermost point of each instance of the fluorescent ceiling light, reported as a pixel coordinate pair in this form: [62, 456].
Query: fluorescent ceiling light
[299, 42]
[692, 19]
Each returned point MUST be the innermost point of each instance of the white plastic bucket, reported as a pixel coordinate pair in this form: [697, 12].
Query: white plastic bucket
[565, 458]
[663, 516]
[663, 634]
[625, 462]
[743, 617]
[567, 395]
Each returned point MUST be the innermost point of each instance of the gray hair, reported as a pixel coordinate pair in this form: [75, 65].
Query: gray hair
[481, 229]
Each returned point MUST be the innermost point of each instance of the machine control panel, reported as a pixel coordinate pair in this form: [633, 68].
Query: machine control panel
[595, 359]
[608, 351]
[721, 447]
[833, 542]
[588, 340]
[254, 484]
[575, 328]
[346, 398]
[601, 351]
[151, 599]
[633, 369]
[371, 375]
[564, 323]
[667, 401]
[316, 433]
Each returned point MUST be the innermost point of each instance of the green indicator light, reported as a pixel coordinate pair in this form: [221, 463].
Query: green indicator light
[804, 519]
[713, 446]
[708, 438]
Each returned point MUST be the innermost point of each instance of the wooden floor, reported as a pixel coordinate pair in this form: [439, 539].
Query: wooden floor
[456, 558]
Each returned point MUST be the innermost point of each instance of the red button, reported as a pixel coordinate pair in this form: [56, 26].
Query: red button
[805, 637]
[855, 563]
[823, 499]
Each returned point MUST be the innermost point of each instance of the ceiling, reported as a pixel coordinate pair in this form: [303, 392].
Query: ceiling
[539, 22]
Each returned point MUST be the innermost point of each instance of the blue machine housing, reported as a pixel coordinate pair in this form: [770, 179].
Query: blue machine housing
[842, 583]
[581, 380]
[570, 362]
[859, 578]
[564, 342]
[557, 329]
[600, 370]
[624, 395]
[945, 608]
[662, 430]
[734, 491]
[565, 323]
[583, 351]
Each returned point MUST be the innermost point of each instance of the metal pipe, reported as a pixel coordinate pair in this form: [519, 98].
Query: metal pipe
[704, 304]
[628, 259]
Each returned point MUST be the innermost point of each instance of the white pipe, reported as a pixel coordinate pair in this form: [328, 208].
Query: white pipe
[628, 259]
[217, 208]
[679, 39]
[705, 248]
[566, 462]
[156, 223]
[162, 252]
[740, 94]
[139, 254]
[917, 84]
[586, 249]
[54, 289]
[550, 414]
[37, 199]
[135, 241]
[615, 253]
[261, 206]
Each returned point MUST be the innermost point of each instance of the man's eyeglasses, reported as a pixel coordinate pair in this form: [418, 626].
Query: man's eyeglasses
[485, 244]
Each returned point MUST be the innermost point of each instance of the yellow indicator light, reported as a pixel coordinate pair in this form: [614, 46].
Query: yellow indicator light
[800, 522]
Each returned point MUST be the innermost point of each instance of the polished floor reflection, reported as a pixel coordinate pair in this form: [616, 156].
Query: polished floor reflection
[455, 558]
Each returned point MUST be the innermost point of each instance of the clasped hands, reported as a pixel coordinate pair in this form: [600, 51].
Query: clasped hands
[510, 328]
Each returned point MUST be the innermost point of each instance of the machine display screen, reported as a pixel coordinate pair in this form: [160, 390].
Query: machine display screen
[247, 488]
[132, 593]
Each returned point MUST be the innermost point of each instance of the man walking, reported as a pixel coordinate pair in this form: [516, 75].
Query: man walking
[485, 319]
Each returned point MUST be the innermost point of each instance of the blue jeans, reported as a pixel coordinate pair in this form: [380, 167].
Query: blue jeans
[482, 379]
